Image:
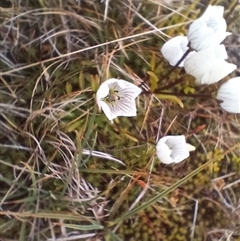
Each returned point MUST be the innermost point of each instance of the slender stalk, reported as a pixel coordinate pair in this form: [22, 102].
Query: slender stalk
[177, 94]
[172, 69]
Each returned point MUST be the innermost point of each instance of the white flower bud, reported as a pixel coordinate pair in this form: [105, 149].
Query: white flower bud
[208, 65]
[229, 93]
[173, 149]
[209, 29]
[174, 49]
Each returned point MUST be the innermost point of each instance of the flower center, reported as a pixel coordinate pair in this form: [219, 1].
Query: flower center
[112, 96]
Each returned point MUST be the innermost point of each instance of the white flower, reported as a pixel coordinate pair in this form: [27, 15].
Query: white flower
[209, 29]
[116, 97]
[173, 149]
[208, 66]
[174, 49]
[229, 93]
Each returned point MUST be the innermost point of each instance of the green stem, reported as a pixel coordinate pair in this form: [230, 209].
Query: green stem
[177, 94]
[172, 69]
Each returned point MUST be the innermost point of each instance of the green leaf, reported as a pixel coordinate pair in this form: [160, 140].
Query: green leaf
[81, 81]
[159, 68]
[68, 88]
[173, 98]
[83, 227]
[189, 89]
[75, 125]
[153, 61]
[87, 63]
[95, 79]
[153, 80]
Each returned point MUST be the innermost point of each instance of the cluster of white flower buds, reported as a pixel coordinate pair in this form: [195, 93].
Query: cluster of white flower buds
[206, 60]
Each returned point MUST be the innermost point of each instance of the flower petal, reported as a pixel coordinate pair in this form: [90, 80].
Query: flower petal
[113, 84]
[220, 69]
[179, 154]
[190, 147]
[172, 149]
[175, 141]
[174, 49]
[178, 146]
[163, 153]
[229, 93]
[200, 35]
[209, 29]
[128, 89]
[102, 92]
[208, 66]
[220, 52]
[213, 11]
[124, 108]
[108, 111]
